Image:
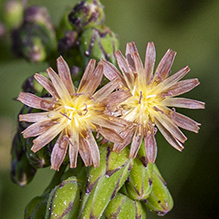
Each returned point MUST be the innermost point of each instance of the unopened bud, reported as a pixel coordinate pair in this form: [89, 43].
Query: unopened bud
[22, 172]
[139, 184]
[36, 208]
[99, 43]
[122, 207]
[13, 14]
[160, 200]
[35, 39]
[101, 187]
[64, 200]
[87, 14]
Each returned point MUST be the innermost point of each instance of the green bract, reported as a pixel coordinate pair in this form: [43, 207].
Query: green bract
[101, 188]
[139, 185]
[87, 14]
[160, 200]
[22, 172]
[99, 43]
[121, 207]
[63, 200]
[35, 38]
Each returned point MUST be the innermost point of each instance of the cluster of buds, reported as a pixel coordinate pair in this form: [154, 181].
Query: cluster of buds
[83, 34]
[100, 136]
[34, 39]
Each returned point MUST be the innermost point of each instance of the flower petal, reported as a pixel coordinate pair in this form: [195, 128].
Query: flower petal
[184, 122]
[169, 137]
[47, 84]
[36, 117]
[130, 49]
[38, 128]
[116, 98]
[84, 152]
[65, 75]
[171, 81]
[59, 152]
[184, 103]
[127, 135]
[87, 74]
[182, 87]
[139, 69]
[111, 135]
[48, 136]
[127, 72]
[93, 81]
[171, 127]
[136, 142]
[34, 101]
[59, 85]
[150, 148]
[73, 147]
[104, 92]
[109, 122]
[164, 66]
[111, 72]
[150, 58]
[94, 150]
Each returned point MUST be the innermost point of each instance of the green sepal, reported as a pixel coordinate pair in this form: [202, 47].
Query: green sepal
[36, 208]
[63, 201]
[160, 200]
[99, 43]
[35, 39]
[106, 187]
[22, 172]
[86, 14]
[94, 174]
[122, 207]
[139, 184]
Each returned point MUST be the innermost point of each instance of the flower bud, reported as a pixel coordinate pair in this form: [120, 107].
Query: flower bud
[139, 184]
[35, 39]
[160, 200]
[36, 208]
[99, 43]
[86, 14]
[123, 207]
[102, 188]
[22, 172]
[64, 200]
[13, 14]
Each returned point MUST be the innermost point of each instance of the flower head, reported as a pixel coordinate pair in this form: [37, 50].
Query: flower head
[151, 96]
[73, 114]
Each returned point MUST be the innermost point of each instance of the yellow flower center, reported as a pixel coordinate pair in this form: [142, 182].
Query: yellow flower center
[142, 106]
[77, 111]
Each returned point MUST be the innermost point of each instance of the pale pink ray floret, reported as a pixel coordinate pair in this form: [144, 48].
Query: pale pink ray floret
[152, 93]
[74, 114]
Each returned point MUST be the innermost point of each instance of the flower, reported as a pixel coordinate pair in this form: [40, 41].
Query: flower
[73, 114]
[152, 95]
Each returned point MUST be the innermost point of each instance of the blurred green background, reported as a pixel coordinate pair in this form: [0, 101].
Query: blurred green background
[189, 27]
